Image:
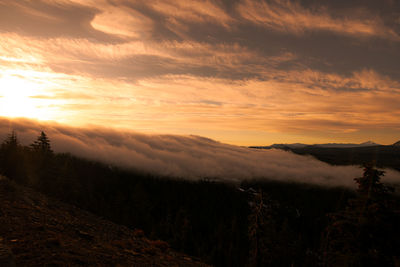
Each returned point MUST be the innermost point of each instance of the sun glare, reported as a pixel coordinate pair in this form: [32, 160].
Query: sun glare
[16, 98]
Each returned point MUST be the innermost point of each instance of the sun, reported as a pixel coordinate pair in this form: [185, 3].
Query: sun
[16, 98]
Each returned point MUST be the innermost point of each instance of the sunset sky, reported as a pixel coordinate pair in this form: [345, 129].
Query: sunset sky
[243, 72]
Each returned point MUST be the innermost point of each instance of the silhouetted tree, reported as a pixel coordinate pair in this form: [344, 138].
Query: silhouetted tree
[42, 144]
[257, 220]
[11, 157]
[365, 233]
[271, 238]
[11, 142]
[44, 168]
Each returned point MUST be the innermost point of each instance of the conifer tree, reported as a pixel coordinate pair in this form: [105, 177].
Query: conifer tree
[261, 226]
[370, 186]
[365, 233]
[11, 143]
[43, 174]
[42, 144]
[10, 157]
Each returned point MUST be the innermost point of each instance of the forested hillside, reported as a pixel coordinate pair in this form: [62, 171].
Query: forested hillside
[256, 223]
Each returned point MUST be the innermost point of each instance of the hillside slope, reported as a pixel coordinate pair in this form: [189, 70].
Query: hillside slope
[41, 231]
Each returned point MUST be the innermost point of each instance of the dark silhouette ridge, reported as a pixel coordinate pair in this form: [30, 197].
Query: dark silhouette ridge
[383, 156]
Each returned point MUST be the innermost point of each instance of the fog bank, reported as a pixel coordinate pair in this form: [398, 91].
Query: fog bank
[189, 157]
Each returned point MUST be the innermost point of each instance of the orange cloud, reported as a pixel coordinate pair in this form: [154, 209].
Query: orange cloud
[67, 51]
[283, 100]
[193, 11]
[126, 23]
[156, 69]
[32, 11]
[280, 105]
[290, 16]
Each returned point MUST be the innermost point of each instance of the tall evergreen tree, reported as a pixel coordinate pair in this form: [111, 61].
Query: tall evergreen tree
[42, 144]
[365, 233]
[44, 167]
[11, 142]
[11, 157]
[370, 186]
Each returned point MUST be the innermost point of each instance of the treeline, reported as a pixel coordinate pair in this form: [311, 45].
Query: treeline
[257, 224]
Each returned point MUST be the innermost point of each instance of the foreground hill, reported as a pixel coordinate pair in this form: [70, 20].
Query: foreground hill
[37, 231]
[254, 223]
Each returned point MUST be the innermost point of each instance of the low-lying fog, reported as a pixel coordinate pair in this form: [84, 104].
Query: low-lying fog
[189, 157]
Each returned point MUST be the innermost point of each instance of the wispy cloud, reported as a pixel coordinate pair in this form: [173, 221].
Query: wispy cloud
[125, 23]
[218, 68]
[83, 55]
[30, 10]
[193, 11]
[265, 102]
[290, 16]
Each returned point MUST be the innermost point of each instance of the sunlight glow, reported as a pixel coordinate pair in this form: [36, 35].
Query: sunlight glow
[16, 98]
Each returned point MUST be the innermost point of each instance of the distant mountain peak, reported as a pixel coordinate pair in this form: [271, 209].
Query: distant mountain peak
[369, 143]
[397, 143]
[327, 145]
[348, 145]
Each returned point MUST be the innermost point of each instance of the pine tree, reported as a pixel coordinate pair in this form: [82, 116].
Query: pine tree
[42, 144]
[11, 157]
[44, 169]
[11, 143]
[256, 224]
[369, 185]
[272, 241]
[263, 231]
[365, 233]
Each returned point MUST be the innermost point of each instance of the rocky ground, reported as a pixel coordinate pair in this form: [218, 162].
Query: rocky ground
[39, 231]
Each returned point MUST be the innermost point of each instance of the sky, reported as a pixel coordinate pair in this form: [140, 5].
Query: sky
[243, 72]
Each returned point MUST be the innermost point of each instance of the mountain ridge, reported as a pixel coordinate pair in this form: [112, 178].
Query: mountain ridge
[327, 145]
[383, 156]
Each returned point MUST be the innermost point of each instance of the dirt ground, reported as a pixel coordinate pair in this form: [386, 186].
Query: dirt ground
[38, 231]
